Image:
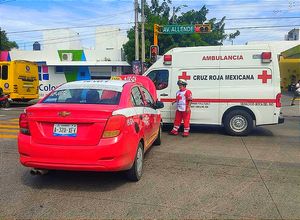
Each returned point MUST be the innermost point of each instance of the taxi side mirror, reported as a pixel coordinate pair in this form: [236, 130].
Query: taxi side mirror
[158, 105]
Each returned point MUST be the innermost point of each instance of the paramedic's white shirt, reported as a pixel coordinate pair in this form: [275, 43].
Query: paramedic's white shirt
[181, 98]
[298, 87]
[181, 101]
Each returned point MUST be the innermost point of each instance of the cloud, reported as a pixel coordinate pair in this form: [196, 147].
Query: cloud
[41, 14]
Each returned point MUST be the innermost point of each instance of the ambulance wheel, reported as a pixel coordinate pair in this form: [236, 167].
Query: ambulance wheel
[238, 123]
[158, 139]
[136, 171]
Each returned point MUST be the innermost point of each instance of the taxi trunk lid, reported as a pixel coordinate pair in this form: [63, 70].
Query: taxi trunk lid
[68, 124]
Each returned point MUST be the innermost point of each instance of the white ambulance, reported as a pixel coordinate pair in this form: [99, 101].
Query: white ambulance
[237, 87]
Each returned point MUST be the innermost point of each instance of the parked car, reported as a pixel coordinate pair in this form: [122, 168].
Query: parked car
[91, 126]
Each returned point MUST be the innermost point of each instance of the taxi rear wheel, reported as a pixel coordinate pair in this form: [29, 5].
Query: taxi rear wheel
[158, 139]
[136, 171]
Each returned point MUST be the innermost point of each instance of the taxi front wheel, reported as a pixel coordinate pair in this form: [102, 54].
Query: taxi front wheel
[136, 171]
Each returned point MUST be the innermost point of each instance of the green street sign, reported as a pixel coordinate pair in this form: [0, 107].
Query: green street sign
[178, 29]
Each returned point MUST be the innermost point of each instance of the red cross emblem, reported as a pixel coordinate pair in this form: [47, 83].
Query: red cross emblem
[184, 76]
[179, 97]
[264, 76]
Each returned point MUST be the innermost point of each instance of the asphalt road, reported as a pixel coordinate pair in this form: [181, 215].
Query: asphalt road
[208, 175]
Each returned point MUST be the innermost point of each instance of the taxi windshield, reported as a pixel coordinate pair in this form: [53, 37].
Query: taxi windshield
[84, 96]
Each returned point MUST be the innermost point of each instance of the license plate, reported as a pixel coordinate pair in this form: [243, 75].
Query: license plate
[69, 130]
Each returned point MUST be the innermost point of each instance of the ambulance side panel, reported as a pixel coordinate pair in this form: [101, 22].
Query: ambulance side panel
[222, 78]
[202, 79]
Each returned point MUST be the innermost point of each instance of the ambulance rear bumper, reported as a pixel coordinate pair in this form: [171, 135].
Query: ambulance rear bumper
[280, 119]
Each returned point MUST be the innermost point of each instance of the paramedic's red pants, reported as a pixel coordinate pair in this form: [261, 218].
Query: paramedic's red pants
[179, 116]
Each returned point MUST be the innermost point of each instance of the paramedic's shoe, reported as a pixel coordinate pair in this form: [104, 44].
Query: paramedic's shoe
[185, 134]
[173, 132]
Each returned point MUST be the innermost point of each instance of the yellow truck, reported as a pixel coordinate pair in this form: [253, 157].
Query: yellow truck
[19, 80]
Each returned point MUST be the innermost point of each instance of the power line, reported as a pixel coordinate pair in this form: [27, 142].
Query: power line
[87, 36]
[2, 2]
[98, 17]
[258, 18]
[60, 28]
[261, 27]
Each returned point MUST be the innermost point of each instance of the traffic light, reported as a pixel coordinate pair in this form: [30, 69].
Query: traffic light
[202, 28]
[154, 51]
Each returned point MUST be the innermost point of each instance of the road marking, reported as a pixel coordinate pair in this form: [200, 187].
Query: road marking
[13, 109]
[9, 126]
[9, 130]
[8, 136]
[13, 122]
[14, 119]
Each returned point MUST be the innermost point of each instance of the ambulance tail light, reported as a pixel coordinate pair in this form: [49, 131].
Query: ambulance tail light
[266, 57]
[114, 126]
[167, 59]
[23, 124]
[278, 100]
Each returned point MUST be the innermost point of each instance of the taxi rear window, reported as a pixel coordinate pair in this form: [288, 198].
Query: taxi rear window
[84, 96]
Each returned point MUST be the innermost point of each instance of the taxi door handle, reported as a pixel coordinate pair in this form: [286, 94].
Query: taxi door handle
[164, 94]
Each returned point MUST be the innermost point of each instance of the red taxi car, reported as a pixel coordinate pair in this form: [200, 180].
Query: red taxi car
[91, 126]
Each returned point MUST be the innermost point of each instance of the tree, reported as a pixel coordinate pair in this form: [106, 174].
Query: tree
[5, 44]
[157, 13]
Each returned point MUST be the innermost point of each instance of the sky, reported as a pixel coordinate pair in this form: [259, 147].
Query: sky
[23, 20]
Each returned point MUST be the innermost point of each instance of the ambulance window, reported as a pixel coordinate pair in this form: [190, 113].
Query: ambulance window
[136, 97]
[148, 97]
[160, 78]
[4, 72]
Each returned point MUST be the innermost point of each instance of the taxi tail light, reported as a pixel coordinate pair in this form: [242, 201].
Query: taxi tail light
[114, 126]
[278, 100]
[266, 57]
[167, 59]
[24, 124]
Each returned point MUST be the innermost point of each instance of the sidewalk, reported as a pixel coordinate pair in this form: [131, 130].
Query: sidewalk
[287, 109]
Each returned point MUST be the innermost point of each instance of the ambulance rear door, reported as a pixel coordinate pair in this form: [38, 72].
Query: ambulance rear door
[248, 81]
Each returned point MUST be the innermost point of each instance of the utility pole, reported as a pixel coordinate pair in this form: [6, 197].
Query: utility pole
[143, 32]
[173, 16]
[136, 6]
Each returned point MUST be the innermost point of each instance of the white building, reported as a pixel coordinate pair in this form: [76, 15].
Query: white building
[293, 35]
[62, 58]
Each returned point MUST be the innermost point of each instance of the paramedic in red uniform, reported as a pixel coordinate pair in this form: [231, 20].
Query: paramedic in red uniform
[183, 112]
